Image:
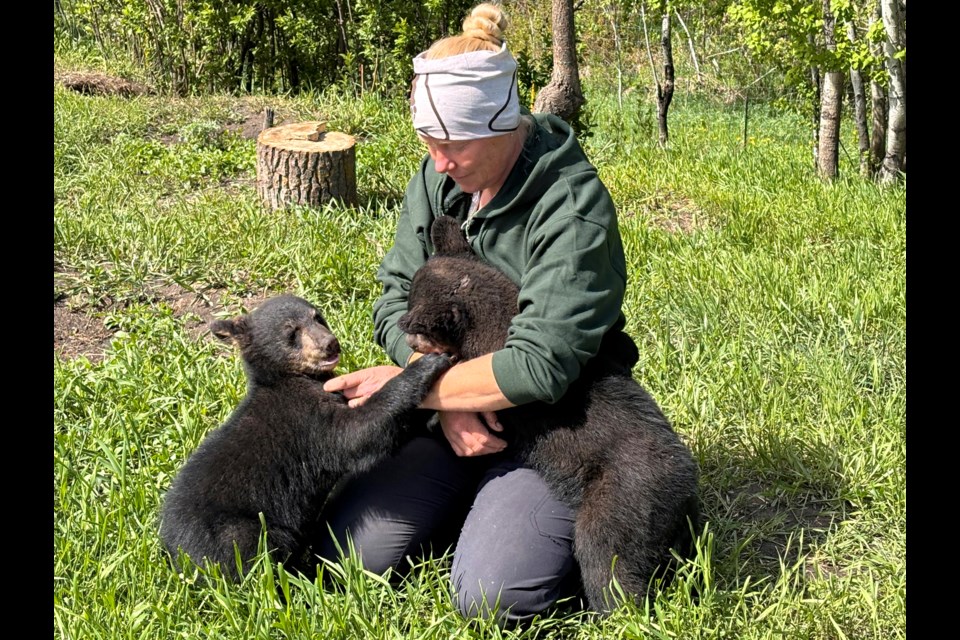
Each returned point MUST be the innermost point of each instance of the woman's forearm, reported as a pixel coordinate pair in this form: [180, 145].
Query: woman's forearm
[468, 386]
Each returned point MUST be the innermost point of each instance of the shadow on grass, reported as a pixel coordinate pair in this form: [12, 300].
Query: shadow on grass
[768, 519]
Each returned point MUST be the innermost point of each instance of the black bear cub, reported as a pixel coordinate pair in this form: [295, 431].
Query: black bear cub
[286, 444]
[605, 448]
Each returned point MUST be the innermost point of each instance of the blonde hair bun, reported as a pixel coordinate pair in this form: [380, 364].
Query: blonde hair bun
[486, 22]
[482, 31]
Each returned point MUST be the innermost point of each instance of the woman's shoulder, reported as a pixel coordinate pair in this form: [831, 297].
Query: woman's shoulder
[561, 179]
[555, 151]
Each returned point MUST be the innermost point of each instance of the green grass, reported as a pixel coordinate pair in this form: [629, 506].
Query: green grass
[769, 309]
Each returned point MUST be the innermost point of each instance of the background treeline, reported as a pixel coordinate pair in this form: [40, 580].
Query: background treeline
[191, 46]
[262, 46]
[809, 55]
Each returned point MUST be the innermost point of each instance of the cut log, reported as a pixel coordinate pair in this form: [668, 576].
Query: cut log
[302, 163]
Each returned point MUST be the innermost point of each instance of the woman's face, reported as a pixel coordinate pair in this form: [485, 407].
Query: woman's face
[473, 164]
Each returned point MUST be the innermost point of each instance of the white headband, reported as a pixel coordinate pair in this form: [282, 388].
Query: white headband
[467, 96]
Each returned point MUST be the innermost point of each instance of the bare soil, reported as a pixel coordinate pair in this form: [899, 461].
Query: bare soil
[101, 84]
[80, 330]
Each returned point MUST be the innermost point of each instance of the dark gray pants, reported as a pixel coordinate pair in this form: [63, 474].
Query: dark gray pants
[514, 541]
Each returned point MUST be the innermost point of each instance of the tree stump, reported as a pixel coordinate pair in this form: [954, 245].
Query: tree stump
[300, 163]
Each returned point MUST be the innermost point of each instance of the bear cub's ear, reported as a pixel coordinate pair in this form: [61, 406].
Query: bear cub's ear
[447, 237]
[231, 331]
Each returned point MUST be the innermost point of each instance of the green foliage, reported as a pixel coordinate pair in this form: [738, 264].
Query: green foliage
[788, 35]
[269, 46]
[795, 41]
[532, 75]
[206, 153]
[529, 37]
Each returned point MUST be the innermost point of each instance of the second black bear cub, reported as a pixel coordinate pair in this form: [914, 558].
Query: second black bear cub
[286, 444]
[605, 448]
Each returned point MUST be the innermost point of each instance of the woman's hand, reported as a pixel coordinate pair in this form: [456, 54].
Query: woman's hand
[360, 385]
[469, 433]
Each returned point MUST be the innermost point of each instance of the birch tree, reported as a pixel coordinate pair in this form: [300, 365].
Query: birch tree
[894, 160]
[878, 104]
[665, 93]
[830, 103]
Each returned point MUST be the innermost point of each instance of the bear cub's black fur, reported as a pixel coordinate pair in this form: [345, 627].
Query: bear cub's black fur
[286, 444]
[605, 448]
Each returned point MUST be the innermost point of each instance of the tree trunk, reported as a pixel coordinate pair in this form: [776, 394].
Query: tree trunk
[894, 161]
[860, 112]
[341, 30]
[244, 74]
[665, 93]
[878, 108]
[301, 164]
[563, 96]
[830, 102]
[829, 144]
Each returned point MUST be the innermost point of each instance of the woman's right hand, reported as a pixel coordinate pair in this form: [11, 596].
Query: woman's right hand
[358, 386]
[469, 433]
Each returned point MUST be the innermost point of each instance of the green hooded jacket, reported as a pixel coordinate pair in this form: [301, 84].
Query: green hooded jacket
[552, 228]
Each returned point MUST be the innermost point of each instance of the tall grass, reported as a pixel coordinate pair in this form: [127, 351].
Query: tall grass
[769, 309]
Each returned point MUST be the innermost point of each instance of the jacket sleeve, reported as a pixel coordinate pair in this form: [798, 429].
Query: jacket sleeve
[396, 271]
[571, 292]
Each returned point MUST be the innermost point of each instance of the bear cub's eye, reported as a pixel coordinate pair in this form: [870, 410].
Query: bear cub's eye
[293, 335]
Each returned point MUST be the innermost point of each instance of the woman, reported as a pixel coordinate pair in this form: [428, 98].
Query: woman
[532, 205]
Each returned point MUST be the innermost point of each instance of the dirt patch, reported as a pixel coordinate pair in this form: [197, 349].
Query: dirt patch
[101, 84]
[251, 121]
[80, 330]
[78, 333]
[246, 121]
[672, 212]
[198, 309]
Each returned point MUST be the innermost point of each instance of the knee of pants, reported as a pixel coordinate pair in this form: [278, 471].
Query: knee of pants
[378, 544]
[485, 597]
[514, 558]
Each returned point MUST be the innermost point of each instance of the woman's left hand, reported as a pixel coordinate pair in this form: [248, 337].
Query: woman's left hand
[469, 433]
